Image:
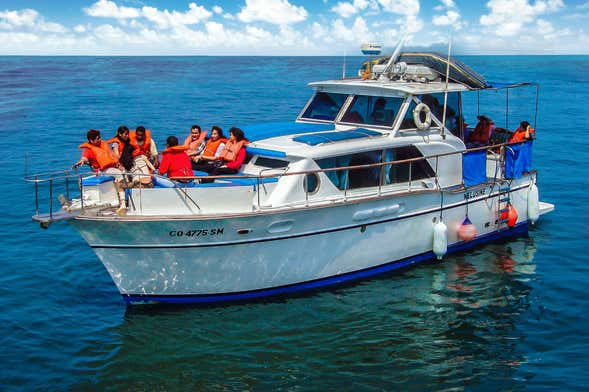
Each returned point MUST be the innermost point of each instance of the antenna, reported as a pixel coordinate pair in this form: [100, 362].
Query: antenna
[394, 56]
[344, 66]
[446, 88]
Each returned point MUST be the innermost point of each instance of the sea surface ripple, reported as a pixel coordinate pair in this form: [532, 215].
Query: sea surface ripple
[511, 315]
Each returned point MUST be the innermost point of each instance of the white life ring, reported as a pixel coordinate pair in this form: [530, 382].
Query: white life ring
[419, 109]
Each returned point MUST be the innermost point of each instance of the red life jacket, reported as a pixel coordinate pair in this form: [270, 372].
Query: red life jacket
[145, 148]
[231, 149]
[104, 157]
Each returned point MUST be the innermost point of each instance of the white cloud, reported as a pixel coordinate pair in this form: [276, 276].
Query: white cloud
[166, 19]
[30, 20]
[401, 7]
[508, 17]
[109, 9]
[217, 9]
[345, 9]
[279, 12]
[79, 29]
[450, 18]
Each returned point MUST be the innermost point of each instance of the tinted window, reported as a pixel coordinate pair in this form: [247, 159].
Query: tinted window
[271, 163]
[372, 110]
[352, 179]
[402, 172]
[324, 106]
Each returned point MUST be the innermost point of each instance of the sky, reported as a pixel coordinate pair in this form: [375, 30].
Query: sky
[290, 27]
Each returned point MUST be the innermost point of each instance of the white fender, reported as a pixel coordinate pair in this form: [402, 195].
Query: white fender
[533, 204]
[440, 239]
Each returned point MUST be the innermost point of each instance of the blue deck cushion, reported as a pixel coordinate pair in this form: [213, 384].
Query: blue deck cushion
[314, 139]
[199, 173]
[96, 180]
[474, 167]
[265, 152]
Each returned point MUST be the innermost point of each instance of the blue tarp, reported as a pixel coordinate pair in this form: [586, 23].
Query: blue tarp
[474, 167]
[266, 130]
[518, 159]
[335, 136]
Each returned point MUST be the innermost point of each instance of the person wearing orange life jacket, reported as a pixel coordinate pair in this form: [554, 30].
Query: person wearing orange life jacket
[145, 145]
[482, 132]
[195, 141]
[123, 148]
[523, 133]
[232, 156]
[212, 150]
[98, 154]
[175, 162]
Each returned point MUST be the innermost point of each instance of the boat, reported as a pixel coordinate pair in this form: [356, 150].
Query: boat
[371, 49]
[375, 174]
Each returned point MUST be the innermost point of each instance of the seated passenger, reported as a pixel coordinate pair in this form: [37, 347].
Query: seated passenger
[523, 133]
[195, 141]
[213, 147]
[353, 117]
[123, 148]
[482, 132]
[98, 154]
[231, 158]
[145, 145]
[175, 162]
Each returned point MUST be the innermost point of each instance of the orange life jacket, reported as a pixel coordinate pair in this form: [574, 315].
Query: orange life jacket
[231, 149]
[520, 135]
[212, 146]
[482, 132]
[193, 144]
[120, 145]
[145, 148]
[103, 155]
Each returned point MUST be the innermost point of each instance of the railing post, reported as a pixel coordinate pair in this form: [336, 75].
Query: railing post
[37, 195]
[140, 193]
[258, 191]
[380, 179]
[306, 186]
[67, 186]
[81, 182]
[51, 199]
[410, 174]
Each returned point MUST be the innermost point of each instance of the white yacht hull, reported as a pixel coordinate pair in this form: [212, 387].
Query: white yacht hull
[187, 259]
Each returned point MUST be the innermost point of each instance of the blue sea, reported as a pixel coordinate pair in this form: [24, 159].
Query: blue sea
[511, 315]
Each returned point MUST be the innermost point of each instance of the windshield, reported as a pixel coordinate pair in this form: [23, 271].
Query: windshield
[370, 110]
[324, 106]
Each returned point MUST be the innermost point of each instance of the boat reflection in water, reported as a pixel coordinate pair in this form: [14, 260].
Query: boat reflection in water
[438, 326]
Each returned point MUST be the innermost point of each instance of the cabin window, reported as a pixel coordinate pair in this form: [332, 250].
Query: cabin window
[311, 183]
[324, 106]
[353, 179]
[370, 110]
[271, 163]
[404, 172]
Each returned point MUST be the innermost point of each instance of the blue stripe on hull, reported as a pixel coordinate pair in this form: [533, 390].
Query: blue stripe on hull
[130, 299]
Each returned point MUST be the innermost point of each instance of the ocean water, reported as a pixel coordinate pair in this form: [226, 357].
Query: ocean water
[511, 315]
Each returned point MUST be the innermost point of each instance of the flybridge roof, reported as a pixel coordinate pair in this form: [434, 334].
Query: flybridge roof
[384, 87]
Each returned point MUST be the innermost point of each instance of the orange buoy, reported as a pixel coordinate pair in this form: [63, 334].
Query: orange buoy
[467, 230]
[510, 215]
